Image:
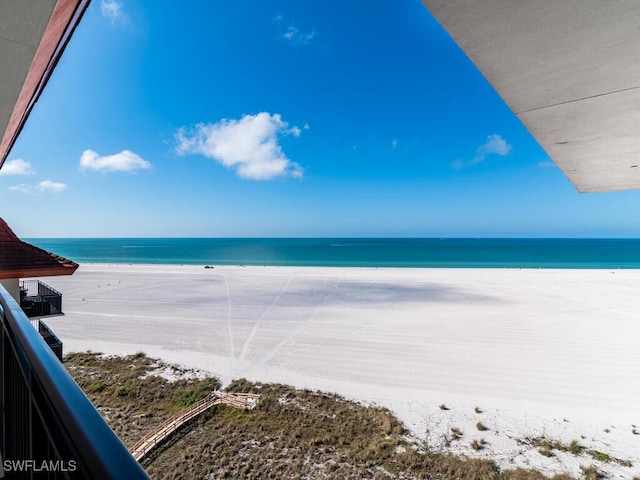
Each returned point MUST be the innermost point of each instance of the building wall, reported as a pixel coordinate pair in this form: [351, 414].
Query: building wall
[13, 287]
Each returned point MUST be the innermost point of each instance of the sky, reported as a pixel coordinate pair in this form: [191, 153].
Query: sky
[283, 119]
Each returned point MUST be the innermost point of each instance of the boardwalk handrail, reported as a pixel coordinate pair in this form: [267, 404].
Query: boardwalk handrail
[45, 416]
[154, 438]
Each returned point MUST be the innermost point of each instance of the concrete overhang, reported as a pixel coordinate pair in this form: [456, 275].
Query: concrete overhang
[33, 35]
[569, 70]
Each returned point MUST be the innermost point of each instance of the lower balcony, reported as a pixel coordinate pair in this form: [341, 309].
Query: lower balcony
[50, 338]
[37, 299]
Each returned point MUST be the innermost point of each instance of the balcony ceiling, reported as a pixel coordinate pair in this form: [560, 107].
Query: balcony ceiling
[33, 35]
[22, 24]
[569, 70]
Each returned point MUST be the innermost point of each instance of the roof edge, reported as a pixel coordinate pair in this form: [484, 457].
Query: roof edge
[45, 272]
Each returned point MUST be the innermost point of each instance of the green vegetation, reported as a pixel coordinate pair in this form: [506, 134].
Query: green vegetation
[545, 448]
[290, 434]
[606, 458]
[96, 386]
[575, 448]
[456, 433]
[590, 473]
[600, 456]
[129, 397]
[478, 444]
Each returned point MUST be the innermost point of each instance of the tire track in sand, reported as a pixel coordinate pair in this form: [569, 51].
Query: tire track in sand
[254, 330]
[306, 324]
[229, 330]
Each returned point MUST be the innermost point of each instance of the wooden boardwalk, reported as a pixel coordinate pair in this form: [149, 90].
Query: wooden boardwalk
[142, 448]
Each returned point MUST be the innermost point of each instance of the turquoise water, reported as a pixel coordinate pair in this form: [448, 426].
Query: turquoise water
[448, 252]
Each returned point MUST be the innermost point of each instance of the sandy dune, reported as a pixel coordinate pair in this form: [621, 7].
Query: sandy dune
[542, 353]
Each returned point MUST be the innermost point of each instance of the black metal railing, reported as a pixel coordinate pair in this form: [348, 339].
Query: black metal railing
[50, 338]
[38, 299]
[49, 428]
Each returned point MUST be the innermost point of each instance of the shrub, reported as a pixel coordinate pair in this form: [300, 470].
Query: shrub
[600, 456]
[120, 391]
[545, 448]
[96, 386]
[590, 473]
[574, 447]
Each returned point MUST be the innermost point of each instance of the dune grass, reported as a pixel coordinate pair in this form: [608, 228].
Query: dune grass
[290, 434]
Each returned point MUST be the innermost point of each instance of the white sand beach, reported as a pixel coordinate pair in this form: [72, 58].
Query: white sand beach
[541, 353]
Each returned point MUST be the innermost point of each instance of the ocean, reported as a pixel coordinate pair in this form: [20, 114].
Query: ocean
[353, 252]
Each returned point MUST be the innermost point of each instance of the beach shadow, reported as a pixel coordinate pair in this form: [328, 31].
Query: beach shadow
[362, 293]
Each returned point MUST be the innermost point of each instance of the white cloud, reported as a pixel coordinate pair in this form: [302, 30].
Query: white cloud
[125, 161]
[22, 188]
[296, 37]
[292, 33]
[17, 166]
[46, 186]
[547, 164]
[249, 145]
[495, 145]
[49, 186]
[112, 11]
[295, 131]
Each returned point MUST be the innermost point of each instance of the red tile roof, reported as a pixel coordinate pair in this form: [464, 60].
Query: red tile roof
[19, 259]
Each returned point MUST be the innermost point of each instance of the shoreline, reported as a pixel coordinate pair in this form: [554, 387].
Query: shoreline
[542, 352]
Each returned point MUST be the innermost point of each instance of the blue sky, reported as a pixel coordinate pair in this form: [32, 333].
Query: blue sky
[283, 118]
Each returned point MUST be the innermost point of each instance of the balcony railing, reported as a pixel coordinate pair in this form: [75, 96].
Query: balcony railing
[38, 299]
[48, 426]
[50, 338]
